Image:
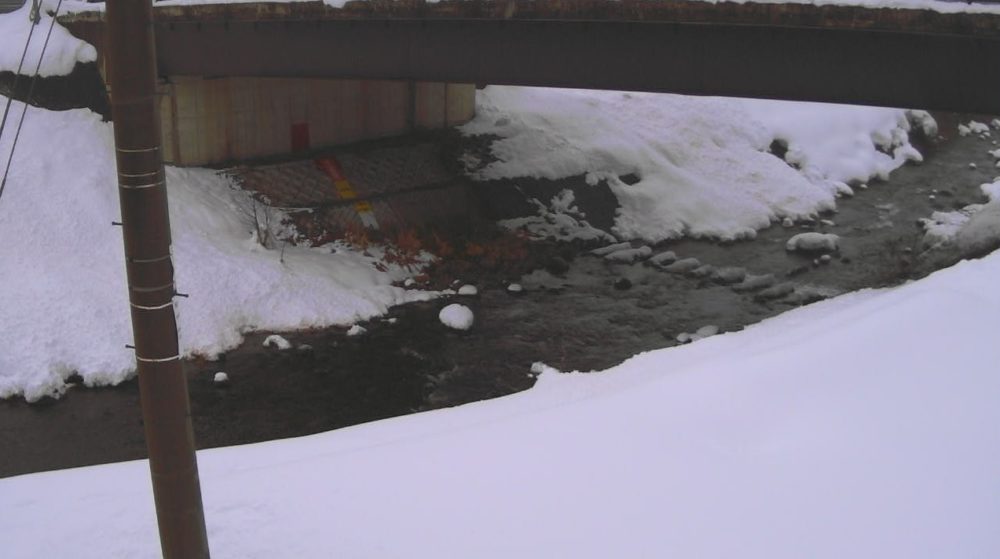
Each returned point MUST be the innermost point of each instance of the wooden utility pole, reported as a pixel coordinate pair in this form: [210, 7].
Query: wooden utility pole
[142, 191]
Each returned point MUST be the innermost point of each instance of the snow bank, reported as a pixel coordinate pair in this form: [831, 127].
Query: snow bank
[702, 162]
[798, 437]
[62, 54]
[63, 274]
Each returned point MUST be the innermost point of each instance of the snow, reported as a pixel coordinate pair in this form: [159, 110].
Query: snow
[812, 242]
[63, 275]
[702, 162]
[515, 288]
[560, 220]
[455, 316]
[468, 290]
[277, 342]
[797, 437]
[220, 378]
[62, 54]
[356, 330]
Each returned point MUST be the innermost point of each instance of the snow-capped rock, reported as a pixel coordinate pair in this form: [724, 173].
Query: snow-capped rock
[458, 317]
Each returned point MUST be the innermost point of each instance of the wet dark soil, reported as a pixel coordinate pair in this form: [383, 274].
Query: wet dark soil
[578, 315]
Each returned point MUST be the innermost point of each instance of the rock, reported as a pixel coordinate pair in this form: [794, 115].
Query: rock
[828, 223]
[515, 289]
[623, 283]
[825, 259]
[729, 274]
[557, 266]
[706, 331]
[788, 223]
[610, 248]
[776, 292]
[410, 282]
[683, 338]
[220, 378]
[356, 330]
[304, 347]
[457, 317]
[663, 258]
[683, 266]
[702, 271]
[468, 290]
[629, 255]
[753, 283]
[813, 242]
[972, 165]
[277, 342]
[797, 271]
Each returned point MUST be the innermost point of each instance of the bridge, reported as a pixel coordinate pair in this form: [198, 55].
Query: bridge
[841, 54]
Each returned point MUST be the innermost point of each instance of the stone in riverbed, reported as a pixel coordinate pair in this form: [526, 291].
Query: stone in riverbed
[776, 292]
[683, 266]
[753, 283]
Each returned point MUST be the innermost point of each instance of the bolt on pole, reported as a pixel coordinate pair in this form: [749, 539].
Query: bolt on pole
[142, 193]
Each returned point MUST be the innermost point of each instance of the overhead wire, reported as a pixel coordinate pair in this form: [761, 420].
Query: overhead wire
[31, 91]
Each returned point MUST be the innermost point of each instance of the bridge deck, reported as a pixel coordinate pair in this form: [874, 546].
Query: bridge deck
[893, 57]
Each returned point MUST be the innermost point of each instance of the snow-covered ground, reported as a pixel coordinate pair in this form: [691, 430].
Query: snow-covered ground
[866, 426]
[62, 268]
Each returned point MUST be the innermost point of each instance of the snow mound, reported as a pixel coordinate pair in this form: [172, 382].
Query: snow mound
[813, 242]
[703, 162]
[457, 317]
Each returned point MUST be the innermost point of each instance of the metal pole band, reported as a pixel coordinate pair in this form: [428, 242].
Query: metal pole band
[164, 360]
[153, 308]
[140, 186]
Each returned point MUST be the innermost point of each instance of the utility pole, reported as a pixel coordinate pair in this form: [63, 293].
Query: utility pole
[166, 411]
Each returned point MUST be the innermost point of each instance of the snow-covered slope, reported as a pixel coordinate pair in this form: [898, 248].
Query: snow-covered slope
[62, 272]
[866, 426]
